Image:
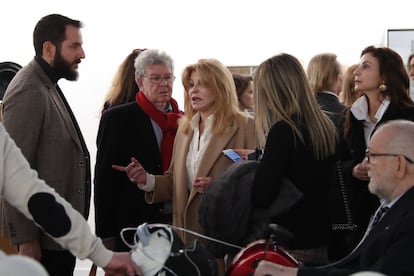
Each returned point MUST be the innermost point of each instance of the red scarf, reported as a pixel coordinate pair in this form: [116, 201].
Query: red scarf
[168, 122]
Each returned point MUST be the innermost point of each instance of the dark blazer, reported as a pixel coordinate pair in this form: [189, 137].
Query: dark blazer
[332, 106]
[37, 119]
[362, 202]
[125, 131]
[386, 249]
[329, 102]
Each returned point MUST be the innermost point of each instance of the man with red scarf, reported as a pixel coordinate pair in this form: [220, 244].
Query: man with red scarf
[144, 129]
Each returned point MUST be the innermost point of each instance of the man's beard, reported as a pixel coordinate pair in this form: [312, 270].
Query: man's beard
[63, 68]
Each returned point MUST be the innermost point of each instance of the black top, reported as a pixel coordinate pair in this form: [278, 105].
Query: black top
[308, 220]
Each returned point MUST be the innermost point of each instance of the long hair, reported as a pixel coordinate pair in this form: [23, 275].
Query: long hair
[124, 86]
[349, 94]
[322, 72]
[281, 92]
[393, 73]
[217, 77]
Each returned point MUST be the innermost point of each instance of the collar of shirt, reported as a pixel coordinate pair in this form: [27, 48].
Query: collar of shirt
[360, 109]
[168, 108]
[391, 203]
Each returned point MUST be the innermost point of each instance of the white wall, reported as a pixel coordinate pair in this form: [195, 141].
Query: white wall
[237, 32]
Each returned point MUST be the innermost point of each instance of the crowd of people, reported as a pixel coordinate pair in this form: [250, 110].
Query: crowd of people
[156, 160]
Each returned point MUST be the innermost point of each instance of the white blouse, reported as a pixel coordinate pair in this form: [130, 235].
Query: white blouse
[198, 146]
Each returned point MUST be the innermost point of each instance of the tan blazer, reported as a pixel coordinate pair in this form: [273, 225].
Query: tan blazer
[36, 118]
[174, 184]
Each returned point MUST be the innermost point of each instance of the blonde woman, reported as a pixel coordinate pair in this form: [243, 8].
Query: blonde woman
[212, 122]
[325, 78]
[299, 144]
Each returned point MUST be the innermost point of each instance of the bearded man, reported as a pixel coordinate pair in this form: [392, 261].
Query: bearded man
[39, 119]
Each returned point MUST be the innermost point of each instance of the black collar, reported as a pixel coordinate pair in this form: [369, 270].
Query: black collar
[49, 70]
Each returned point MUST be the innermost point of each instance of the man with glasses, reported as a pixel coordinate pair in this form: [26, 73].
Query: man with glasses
[387, 244]
[146, 130]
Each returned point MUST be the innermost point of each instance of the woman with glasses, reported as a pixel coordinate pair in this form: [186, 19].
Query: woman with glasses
[144, 129]
[382, 79]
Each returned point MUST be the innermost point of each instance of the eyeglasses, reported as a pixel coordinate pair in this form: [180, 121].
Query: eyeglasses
[368, 156]
[158, 79]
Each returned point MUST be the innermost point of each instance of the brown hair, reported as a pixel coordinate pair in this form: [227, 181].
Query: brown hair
[393, 73]
[124, 86]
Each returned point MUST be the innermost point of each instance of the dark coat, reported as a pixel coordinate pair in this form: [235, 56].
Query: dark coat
[386, 249]
[125, 131]
[363, 203]
[333, 108]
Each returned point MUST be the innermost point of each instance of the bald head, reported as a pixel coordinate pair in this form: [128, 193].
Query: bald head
[391, 159]
[400, 137]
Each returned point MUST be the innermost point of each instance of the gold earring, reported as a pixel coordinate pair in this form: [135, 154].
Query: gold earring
[383, 87]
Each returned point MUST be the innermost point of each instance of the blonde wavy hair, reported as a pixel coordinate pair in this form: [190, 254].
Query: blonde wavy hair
[217, 77]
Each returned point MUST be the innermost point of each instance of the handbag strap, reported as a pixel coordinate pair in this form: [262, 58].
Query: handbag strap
[350, 223]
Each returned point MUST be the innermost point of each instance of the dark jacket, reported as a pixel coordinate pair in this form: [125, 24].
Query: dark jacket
[352, 152]
[125, 131]
[386, 249]
[333, 108]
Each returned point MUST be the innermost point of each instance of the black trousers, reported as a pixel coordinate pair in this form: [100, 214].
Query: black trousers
[58, 263]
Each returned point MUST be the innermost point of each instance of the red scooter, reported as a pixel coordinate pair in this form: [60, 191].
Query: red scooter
[246, 261]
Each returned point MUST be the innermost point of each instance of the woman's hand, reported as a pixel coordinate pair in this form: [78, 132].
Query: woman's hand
[360, 171]
[201, 183]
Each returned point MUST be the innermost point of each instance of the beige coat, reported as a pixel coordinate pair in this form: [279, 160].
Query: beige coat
[173, 185]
